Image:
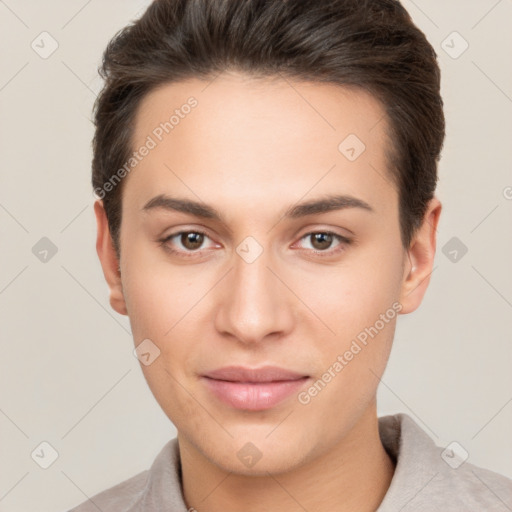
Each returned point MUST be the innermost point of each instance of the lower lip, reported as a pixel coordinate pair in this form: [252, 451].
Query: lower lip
[253, 396]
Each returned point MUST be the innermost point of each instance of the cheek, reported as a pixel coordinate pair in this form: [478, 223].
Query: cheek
[165, 304]
[358, 300]
[352, 295]
[157, 294]
[160, 302]
[173, 392]
[354, 359]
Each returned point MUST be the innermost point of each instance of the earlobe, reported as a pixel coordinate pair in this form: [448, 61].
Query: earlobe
[420, 263]
[108, 259]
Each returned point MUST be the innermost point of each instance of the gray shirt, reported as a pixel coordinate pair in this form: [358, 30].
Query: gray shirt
[426, 479]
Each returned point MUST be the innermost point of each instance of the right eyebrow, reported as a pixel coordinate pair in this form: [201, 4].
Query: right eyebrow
[182, 205]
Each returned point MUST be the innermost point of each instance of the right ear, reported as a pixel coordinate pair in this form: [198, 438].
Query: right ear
[108, 259]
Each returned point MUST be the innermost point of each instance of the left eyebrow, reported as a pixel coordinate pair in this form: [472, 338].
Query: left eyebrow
[316, 206]
[326, 204]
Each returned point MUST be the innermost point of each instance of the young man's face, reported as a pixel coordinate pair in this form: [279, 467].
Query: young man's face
[263, 286]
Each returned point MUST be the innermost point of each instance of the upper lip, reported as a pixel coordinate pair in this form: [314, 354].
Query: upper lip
[263, 374]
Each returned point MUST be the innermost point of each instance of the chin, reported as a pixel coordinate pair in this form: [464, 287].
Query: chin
[251, 460]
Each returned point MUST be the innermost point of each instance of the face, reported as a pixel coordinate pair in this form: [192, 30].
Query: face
[265, 274]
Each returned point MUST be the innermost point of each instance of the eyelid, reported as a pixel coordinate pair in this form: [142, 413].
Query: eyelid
[167, 238]
[343, 241]
[342, 245]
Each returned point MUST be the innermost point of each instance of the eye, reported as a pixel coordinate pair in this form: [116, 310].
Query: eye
[191, 242]
[321, 241]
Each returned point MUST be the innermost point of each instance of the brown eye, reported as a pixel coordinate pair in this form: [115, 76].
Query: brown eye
[321, 241]
[325, 243]
[192, 240]
[187, 244]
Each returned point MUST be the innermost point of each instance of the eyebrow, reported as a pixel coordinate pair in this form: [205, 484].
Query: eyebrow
[316, 206]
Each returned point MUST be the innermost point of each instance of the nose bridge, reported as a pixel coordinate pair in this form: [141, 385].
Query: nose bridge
[254, 303]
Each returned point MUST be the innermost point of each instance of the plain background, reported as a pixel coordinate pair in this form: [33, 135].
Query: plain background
[68, 376]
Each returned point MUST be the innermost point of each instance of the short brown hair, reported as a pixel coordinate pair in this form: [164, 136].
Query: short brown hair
[370, 44]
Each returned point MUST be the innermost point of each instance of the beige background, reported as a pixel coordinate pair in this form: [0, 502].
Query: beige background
[67, 373]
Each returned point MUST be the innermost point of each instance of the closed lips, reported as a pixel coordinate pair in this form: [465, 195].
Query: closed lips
[256, 375]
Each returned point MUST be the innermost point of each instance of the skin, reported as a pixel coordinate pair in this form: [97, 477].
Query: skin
[251, 149]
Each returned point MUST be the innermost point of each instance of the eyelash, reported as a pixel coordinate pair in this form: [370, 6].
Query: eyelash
[192, 254]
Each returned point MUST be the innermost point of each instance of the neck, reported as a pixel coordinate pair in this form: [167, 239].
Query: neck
[355, 474]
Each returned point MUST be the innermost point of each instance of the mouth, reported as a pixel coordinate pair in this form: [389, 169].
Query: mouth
[253, 389]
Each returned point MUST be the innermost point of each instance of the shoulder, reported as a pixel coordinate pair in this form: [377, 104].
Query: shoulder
[156, 488]
[428, 477]
[117, 498]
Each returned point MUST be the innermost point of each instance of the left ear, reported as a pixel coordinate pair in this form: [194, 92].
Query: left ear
[421, 255]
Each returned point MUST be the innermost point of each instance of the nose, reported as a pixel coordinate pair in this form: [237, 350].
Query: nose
[254, 303]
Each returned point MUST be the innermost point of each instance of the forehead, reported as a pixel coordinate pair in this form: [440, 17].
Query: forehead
[274, 139]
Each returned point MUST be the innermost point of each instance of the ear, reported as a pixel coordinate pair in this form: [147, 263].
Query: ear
[420, 258]
[108, 260]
